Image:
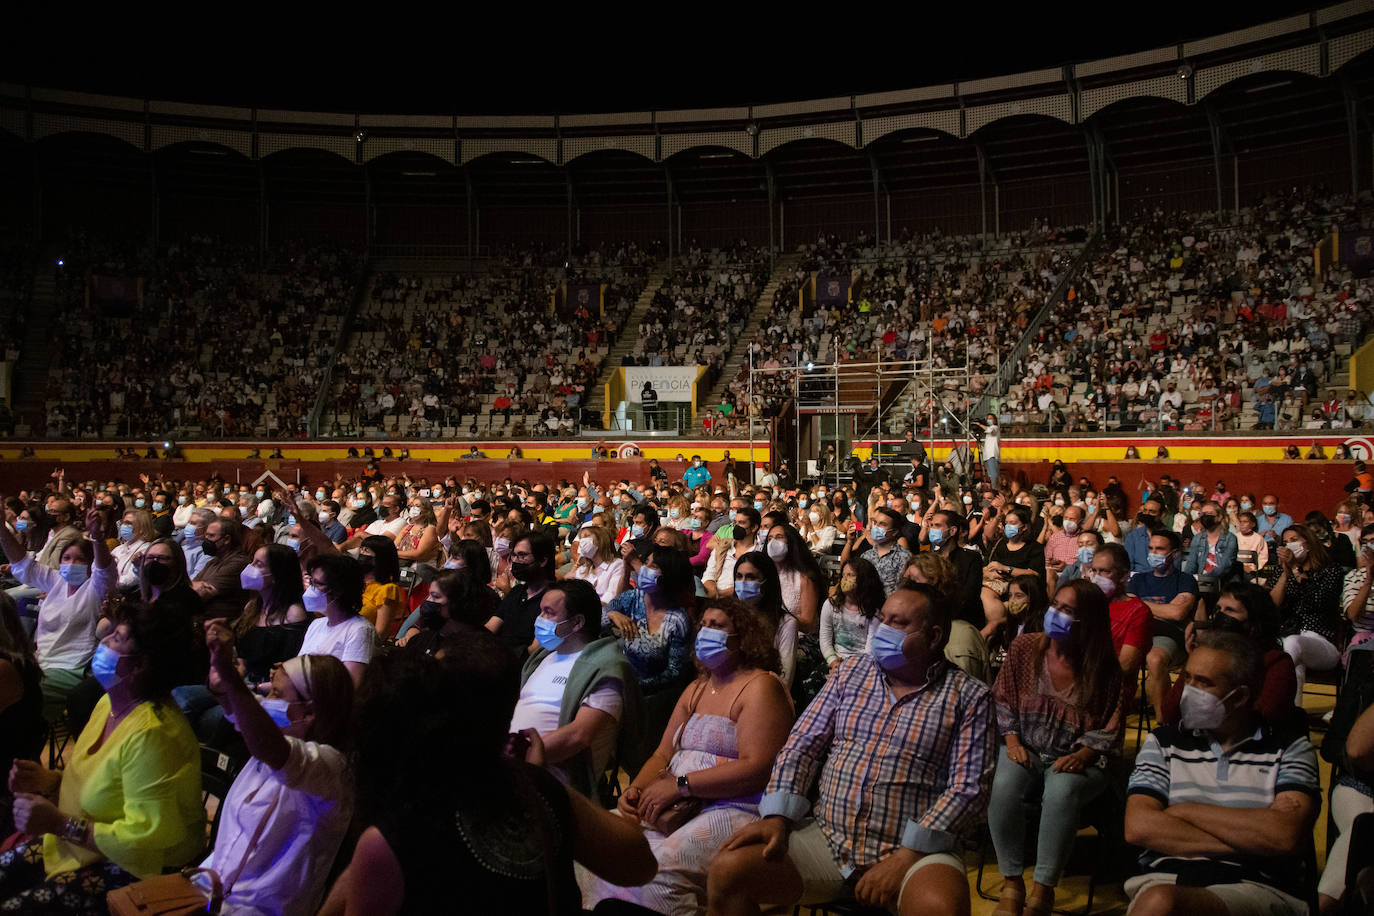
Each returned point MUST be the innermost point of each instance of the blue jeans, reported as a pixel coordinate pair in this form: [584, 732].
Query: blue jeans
[1062, 795]
[992, 464]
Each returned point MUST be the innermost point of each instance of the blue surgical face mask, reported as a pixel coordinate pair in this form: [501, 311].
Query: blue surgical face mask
[1011, 531]
[181, 500]
[1270, 510]
[758, 505]
[546, 632]
[636, 532]
[692, 523]
[887, 647]
[1156, 560]
[126, 533]
[1057, 624]
[877, 532]
[1245, 505]
[315, 601]
[140, 503]
[711, 647]
[747, 590]
[294, 544]
[1085, 555]
[103, 666]
[581, 502]
[277, 710]
[157, 506]
[21, 524]
[647, 579]
[936, 536]
[189, 534]
[674, 513]
[74, 573]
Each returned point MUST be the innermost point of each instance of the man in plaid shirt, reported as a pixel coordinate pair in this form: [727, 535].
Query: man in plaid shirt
[901, 748]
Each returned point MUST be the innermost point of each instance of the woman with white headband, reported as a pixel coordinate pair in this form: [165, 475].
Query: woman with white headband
[287, 812]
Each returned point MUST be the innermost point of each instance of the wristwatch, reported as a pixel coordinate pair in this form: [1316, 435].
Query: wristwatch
[683, 789]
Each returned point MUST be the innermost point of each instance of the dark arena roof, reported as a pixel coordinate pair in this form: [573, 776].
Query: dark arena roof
[1185, 126]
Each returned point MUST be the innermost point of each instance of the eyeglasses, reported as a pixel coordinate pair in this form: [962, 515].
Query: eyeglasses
[522, 556]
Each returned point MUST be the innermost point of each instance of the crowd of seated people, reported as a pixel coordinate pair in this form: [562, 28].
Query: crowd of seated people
[701, 307]
[946, 301]
[526, 359]
[154, 367]
[979, 641]
[1187, 322]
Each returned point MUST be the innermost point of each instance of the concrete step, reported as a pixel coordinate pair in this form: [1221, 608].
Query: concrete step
[624, 343]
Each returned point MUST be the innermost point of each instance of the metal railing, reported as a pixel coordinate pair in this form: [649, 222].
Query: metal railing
[1001, 381]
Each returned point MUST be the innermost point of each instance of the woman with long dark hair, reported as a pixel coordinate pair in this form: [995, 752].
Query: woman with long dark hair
[384, 600]
[1059, 711]
[849, 616]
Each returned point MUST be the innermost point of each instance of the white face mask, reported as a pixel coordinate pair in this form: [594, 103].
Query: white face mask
[1107, 585]
[815, 518]
[1200, 710]
[1298, 547]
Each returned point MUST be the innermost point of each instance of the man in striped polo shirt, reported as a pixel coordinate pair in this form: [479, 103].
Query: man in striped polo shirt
[1223, 805]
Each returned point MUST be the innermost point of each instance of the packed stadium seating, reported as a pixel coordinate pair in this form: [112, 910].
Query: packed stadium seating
[443, 354]
[1223, 312]
[216, 345]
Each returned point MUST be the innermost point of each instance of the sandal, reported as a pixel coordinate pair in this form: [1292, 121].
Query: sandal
[1012, 901]
[1041, 902]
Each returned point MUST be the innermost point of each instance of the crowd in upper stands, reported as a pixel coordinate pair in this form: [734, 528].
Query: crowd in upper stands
[698, 312]
[1144, 337]
[527, 352]
[1184, 322]
[720, 661]
[156, 366]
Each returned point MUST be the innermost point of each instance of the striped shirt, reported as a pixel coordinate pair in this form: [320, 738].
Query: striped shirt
[911, 771]
[1176, 766]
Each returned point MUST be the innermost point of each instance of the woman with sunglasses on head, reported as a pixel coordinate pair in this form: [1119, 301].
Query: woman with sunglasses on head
[1059, 711]
[706, 776]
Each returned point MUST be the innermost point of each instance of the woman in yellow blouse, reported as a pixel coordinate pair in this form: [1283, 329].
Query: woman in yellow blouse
[384, 602]
[128, 805]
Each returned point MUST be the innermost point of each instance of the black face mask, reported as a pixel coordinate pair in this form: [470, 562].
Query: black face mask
[1149, 521]
[157, 573]
[1228, 624]
[524, 571]
[431, 615]
[210, 548]
[368, 564]
[1208, 522]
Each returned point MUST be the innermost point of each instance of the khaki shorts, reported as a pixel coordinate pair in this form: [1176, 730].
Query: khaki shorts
[1247, 898]
[821, 878]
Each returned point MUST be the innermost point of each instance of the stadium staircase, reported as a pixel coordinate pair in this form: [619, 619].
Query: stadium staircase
[629, 336]
[783, 266]
[370, 270]
[35, 355]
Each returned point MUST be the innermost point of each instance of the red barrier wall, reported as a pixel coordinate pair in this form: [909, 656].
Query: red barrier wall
[16, 474]
[1300, 486]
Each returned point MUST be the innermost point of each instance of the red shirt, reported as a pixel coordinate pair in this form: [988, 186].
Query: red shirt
[1131, 625]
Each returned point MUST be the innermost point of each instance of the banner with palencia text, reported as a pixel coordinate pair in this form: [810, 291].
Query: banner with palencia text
[673, 383]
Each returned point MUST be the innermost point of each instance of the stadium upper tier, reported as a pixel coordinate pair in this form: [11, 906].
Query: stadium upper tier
[1174, 322]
